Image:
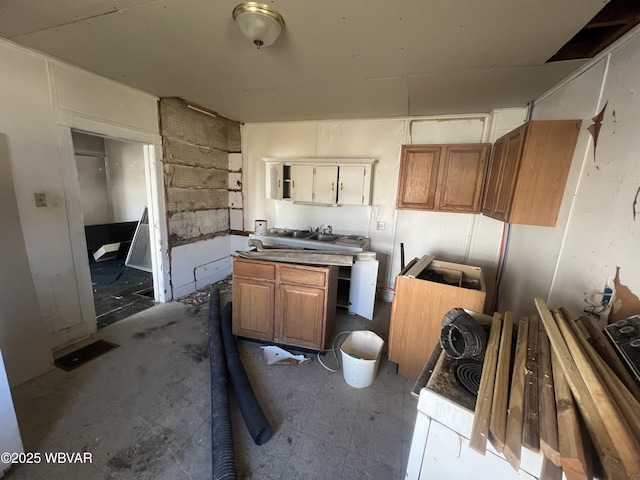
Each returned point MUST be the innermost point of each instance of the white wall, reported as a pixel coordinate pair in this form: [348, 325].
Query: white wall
[23, 339]
[127, 182]
[596, 230]
[471, 239]
[94, 190]
[40, 101]
[10, 440]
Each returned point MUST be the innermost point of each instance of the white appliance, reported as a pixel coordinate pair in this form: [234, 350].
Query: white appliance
[440, 445]
[10, 440]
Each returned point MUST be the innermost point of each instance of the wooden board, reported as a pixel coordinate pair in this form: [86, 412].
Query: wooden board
[548, 414]
[513, 440]
[611, 358]
[625, 401]
[299, 257]
[611, 436]
[550, 471]
[480, 427]
[571, 448]
[498, 424]
[419, 266]
[531, 424]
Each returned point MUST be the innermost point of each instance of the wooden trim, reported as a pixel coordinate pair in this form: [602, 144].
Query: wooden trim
[513, 441]
[572, 449]
[480, 427]
[498, 425]
[548, 414]
[531, 425]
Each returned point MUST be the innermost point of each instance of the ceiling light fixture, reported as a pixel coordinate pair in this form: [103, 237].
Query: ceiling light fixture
[258, 23]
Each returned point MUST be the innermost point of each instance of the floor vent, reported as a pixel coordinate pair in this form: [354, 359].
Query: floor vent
[81, 356]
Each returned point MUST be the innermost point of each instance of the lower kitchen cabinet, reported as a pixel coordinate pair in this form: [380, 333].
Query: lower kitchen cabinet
[284, 303]
[253, 308]
[419, 305]
[298, 304]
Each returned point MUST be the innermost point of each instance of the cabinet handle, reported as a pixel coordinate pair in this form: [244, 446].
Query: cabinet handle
[293, 184]
[332, 186]
[341, 185]
[278, 183]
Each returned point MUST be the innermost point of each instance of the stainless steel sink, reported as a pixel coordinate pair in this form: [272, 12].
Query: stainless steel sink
[300, 233]
[296, 234]
[324, 237]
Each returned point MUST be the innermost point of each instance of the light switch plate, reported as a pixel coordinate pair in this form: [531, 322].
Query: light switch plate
[41, 199]
[380, 226]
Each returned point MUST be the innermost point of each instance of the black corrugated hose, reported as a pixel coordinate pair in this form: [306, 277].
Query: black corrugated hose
[223, 459]
[256, 422]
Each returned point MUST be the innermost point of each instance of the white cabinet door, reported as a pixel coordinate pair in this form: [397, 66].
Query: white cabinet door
[351, 189]
[362, 291]
[275, 181]
[302, 183]
[326, 184]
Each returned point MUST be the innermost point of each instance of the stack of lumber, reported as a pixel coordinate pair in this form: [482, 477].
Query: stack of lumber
[555, 386]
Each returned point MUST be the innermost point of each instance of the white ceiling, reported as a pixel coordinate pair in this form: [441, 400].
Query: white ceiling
[334, 59]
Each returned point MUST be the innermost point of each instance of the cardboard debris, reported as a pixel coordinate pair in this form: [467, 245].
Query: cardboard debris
[108, 251]
[277, 356]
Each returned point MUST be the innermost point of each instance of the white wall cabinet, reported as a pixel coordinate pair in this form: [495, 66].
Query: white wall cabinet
[326, 184]
[302, 183]
[353, 188]
[320, 181]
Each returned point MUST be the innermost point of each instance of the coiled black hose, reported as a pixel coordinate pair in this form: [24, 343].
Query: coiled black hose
[462, 337]
[223, 459]
[254, 417]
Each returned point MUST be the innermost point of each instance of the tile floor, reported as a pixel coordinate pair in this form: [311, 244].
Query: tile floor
[143, 409]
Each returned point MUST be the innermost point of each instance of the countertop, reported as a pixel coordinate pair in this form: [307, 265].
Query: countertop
[277, 236]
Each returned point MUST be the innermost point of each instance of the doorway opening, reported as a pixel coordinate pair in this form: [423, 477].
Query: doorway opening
[114, 203]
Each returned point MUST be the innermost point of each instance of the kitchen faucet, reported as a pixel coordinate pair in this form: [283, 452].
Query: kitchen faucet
[319, 229]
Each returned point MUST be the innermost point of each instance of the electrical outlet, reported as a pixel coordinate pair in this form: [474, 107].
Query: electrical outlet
[606, 296]
[380, 226]
[41, 199]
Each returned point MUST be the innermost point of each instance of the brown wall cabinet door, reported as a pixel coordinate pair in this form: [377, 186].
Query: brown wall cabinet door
[528, 172]
[461, 178]
[418, 175]
[510, 165]
[442, 178]
[494, 175]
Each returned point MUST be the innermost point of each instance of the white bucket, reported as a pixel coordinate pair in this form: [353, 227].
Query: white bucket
[361, 357]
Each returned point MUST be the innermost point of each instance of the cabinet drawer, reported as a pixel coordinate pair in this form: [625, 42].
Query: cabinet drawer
[301, 276]
[263, 271]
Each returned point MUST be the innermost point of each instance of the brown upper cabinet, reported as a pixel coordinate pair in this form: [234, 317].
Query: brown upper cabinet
[442, 178]
[528, 172]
